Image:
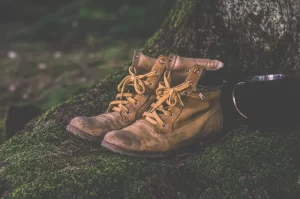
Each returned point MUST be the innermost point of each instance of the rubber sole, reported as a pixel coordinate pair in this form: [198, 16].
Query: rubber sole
[75, 131]
[137, 154]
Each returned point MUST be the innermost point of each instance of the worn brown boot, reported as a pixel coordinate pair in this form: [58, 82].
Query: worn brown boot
[137, 93]
[182, 115]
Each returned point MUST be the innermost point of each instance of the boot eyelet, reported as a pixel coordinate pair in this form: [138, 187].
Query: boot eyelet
[171, 114]
[150, 83]
[184, 93]
[170, 58]
[136, 103]
[162, 61]
[187, 70]
[191, 82]
[163, 126]
[128, 112]
[156, 72]
[196, 71]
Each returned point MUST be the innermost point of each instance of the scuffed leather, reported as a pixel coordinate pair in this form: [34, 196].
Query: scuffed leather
[99, 125]
[195, 121]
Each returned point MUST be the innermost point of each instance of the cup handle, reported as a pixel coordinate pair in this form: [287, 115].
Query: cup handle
[233, 97]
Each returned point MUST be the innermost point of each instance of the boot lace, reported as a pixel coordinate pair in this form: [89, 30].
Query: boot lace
[166, 98]
[138, 82]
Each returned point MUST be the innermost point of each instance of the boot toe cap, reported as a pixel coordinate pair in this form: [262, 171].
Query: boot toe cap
[123, 139]
[88, 126]
[78, 122]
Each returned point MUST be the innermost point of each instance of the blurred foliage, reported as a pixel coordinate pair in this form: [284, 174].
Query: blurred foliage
[79, 19]
[91, 37]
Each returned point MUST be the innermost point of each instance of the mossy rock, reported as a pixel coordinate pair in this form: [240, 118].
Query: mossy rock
[44, 161]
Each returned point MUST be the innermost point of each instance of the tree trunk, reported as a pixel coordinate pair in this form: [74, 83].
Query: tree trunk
[251, 37]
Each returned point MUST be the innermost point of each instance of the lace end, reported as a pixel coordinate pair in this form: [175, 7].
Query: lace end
[202, 96]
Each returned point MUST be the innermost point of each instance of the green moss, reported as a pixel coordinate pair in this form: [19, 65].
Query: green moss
[2, 131]
[59, 95]
[252, 163]
[150, 42]
[174, 24]
[47, 162]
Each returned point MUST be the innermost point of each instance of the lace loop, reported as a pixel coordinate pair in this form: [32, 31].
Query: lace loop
[138, 82]
[167, 97]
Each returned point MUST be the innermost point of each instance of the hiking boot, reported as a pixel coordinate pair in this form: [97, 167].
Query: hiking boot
[182, 115]
[137, 93]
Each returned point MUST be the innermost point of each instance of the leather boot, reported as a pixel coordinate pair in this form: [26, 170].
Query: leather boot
[182, 115]
[137, 93]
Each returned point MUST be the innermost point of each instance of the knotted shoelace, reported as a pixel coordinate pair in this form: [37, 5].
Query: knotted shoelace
[166, 97]
[138, 82]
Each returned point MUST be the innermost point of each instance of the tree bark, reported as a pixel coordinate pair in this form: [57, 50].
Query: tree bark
[251, 37]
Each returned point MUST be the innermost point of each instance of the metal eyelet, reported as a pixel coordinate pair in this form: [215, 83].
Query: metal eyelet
[156, 72]
[128, 112]
[191, 82]
[184, 93]
[171, 114]
[162, 61]
[196, 71]
[150, 83]
[163, 126]
[136, 103]
[187, 70]
[170, 58]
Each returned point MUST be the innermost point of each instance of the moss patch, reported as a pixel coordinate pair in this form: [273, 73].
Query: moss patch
[45, 161]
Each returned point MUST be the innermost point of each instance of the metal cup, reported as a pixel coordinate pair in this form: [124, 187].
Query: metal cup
[258, 98]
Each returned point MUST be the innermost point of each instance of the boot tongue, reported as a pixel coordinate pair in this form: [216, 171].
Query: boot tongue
[181, 66]
[141, 63]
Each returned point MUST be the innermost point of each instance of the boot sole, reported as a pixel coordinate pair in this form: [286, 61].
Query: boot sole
[157, 155]
[78, 133]
[137, 154]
